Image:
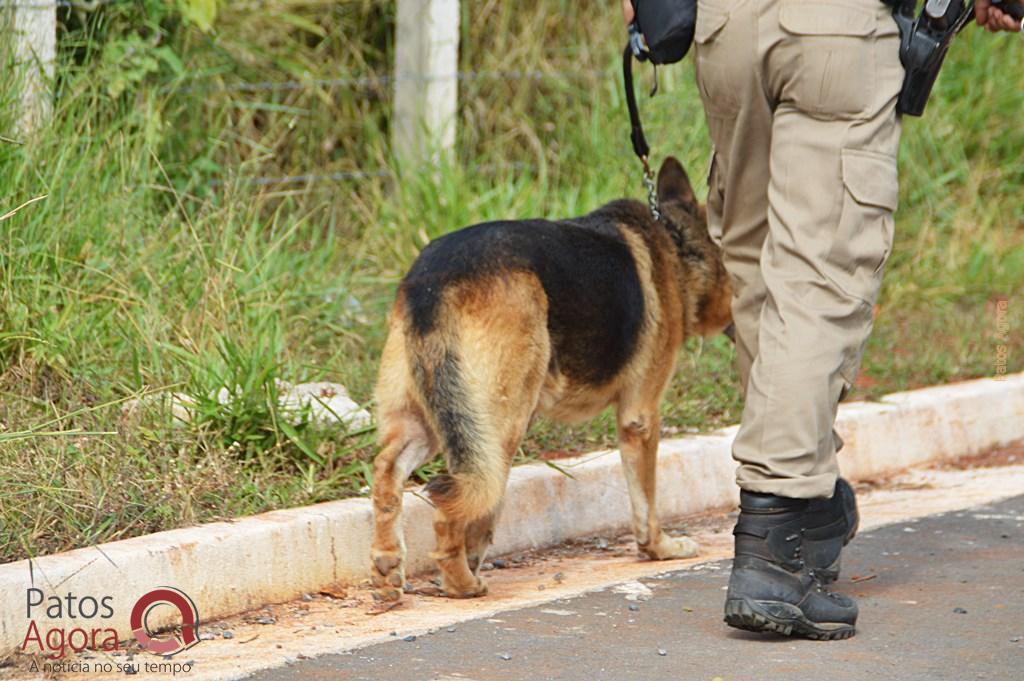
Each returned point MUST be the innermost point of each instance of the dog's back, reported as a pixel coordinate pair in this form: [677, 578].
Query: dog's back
[595, 305]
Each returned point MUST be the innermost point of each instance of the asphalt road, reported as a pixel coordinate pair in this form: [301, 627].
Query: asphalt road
[940, 598]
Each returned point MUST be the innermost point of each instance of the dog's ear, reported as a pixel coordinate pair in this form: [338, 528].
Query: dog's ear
[673, 184]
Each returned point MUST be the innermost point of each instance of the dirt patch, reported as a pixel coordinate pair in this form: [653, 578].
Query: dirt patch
[997, 457]
[1010, 455]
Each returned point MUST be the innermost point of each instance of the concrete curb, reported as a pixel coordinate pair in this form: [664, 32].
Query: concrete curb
[229, 567]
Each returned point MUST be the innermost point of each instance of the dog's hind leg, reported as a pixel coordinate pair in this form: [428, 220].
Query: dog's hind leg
[483, 393]
[457, 580]
[407, 441]
[468, 501]
[479, 536]
[406, 446]
[638, 427]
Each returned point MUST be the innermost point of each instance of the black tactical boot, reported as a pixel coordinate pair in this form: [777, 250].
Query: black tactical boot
[772, 586]
[831, 524]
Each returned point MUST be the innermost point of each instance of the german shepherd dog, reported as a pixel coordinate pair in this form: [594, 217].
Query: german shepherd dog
[502, 321]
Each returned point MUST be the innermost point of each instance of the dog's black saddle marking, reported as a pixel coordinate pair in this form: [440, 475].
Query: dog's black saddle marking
[595, 300]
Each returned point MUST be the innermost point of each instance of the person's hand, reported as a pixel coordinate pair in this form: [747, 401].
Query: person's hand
[994, 19]
[627, 10]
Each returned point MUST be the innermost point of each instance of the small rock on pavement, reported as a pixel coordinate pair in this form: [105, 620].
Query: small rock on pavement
[409, 639]
[662, 652]
[307, 597]
[499, 564]
[1015, 639]
[634, 607]
[960, 611]
[559, 577]
[634, 591]
[266, 620]
[206, 636]
[450, 630]
[505, 656]
[228, 634]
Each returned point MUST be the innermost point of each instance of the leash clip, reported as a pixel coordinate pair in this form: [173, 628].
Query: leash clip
[636, 135]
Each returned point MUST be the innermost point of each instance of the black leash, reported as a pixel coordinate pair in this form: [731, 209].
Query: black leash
[636, 135]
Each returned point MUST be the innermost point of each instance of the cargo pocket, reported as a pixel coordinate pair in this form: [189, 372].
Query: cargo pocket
[713, 59]
[831, 65]
[864, 237]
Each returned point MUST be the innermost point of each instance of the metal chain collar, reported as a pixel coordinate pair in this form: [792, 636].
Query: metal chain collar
[652, 191]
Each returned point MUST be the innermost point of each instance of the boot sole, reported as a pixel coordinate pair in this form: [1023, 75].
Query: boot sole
[787, 620]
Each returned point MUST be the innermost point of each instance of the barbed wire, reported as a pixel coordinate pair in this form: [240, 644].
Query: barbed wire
[349, 175]
[383, 81]
[307, 178]
[366, 82]
[86, 5]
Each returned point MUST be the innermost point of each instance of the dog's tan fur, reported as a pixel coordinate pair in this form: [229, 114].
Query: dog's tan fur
[498, 328]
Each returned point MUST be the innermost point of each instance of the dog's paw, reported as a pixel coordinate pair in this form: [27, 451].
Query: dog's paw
[472, 589]
[387, 594]
[387, 574]
[670, 548]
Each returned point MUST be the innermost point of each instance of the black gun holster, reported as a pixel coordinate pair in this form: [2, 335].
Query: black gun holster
[924, 42]
[925, 39]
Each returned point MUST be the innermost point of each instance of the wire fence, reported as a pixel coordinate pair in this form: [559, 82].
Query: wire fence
[355, 84]
[352, 175]
[375, 85]
[359, 85]
[85, 5]
[383, 81]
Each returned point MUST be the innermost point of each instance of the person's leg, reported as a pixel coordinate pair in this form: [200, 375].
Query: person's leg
[739, 117]
[821, 189]
[834, 71]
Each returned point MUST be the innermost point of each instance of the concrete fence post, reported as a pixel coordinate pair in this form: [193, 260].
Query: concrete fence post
[426, 79]
[32, 25]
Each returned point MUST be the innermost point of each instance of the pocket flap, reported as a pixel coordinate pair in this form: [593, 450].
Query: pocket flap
[709, 175]
[826, 18]
[709, 22]
[871, 178]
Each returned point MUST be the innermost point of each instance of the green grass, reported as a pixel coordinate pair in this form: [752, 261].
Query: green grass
[154, 263]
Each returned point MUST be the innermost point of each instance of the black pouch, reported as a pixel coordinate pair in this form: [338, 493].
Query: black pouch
[924, 42]
[667, 29]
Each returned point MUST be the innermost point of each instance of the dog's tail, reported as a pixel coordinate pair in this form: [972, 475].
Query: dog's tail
[475, 481]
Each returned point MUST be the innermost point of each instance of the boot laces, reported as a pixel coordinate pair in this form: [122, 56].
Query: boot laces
[796, 552]
[820, 587]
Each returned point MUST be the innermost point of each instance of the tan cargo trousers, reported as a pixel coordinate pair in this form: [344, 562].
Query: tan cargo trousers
[800, 99]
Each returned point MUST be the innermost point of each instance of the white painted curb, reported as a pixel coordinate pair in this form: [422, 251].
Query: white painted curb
[229, 567]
